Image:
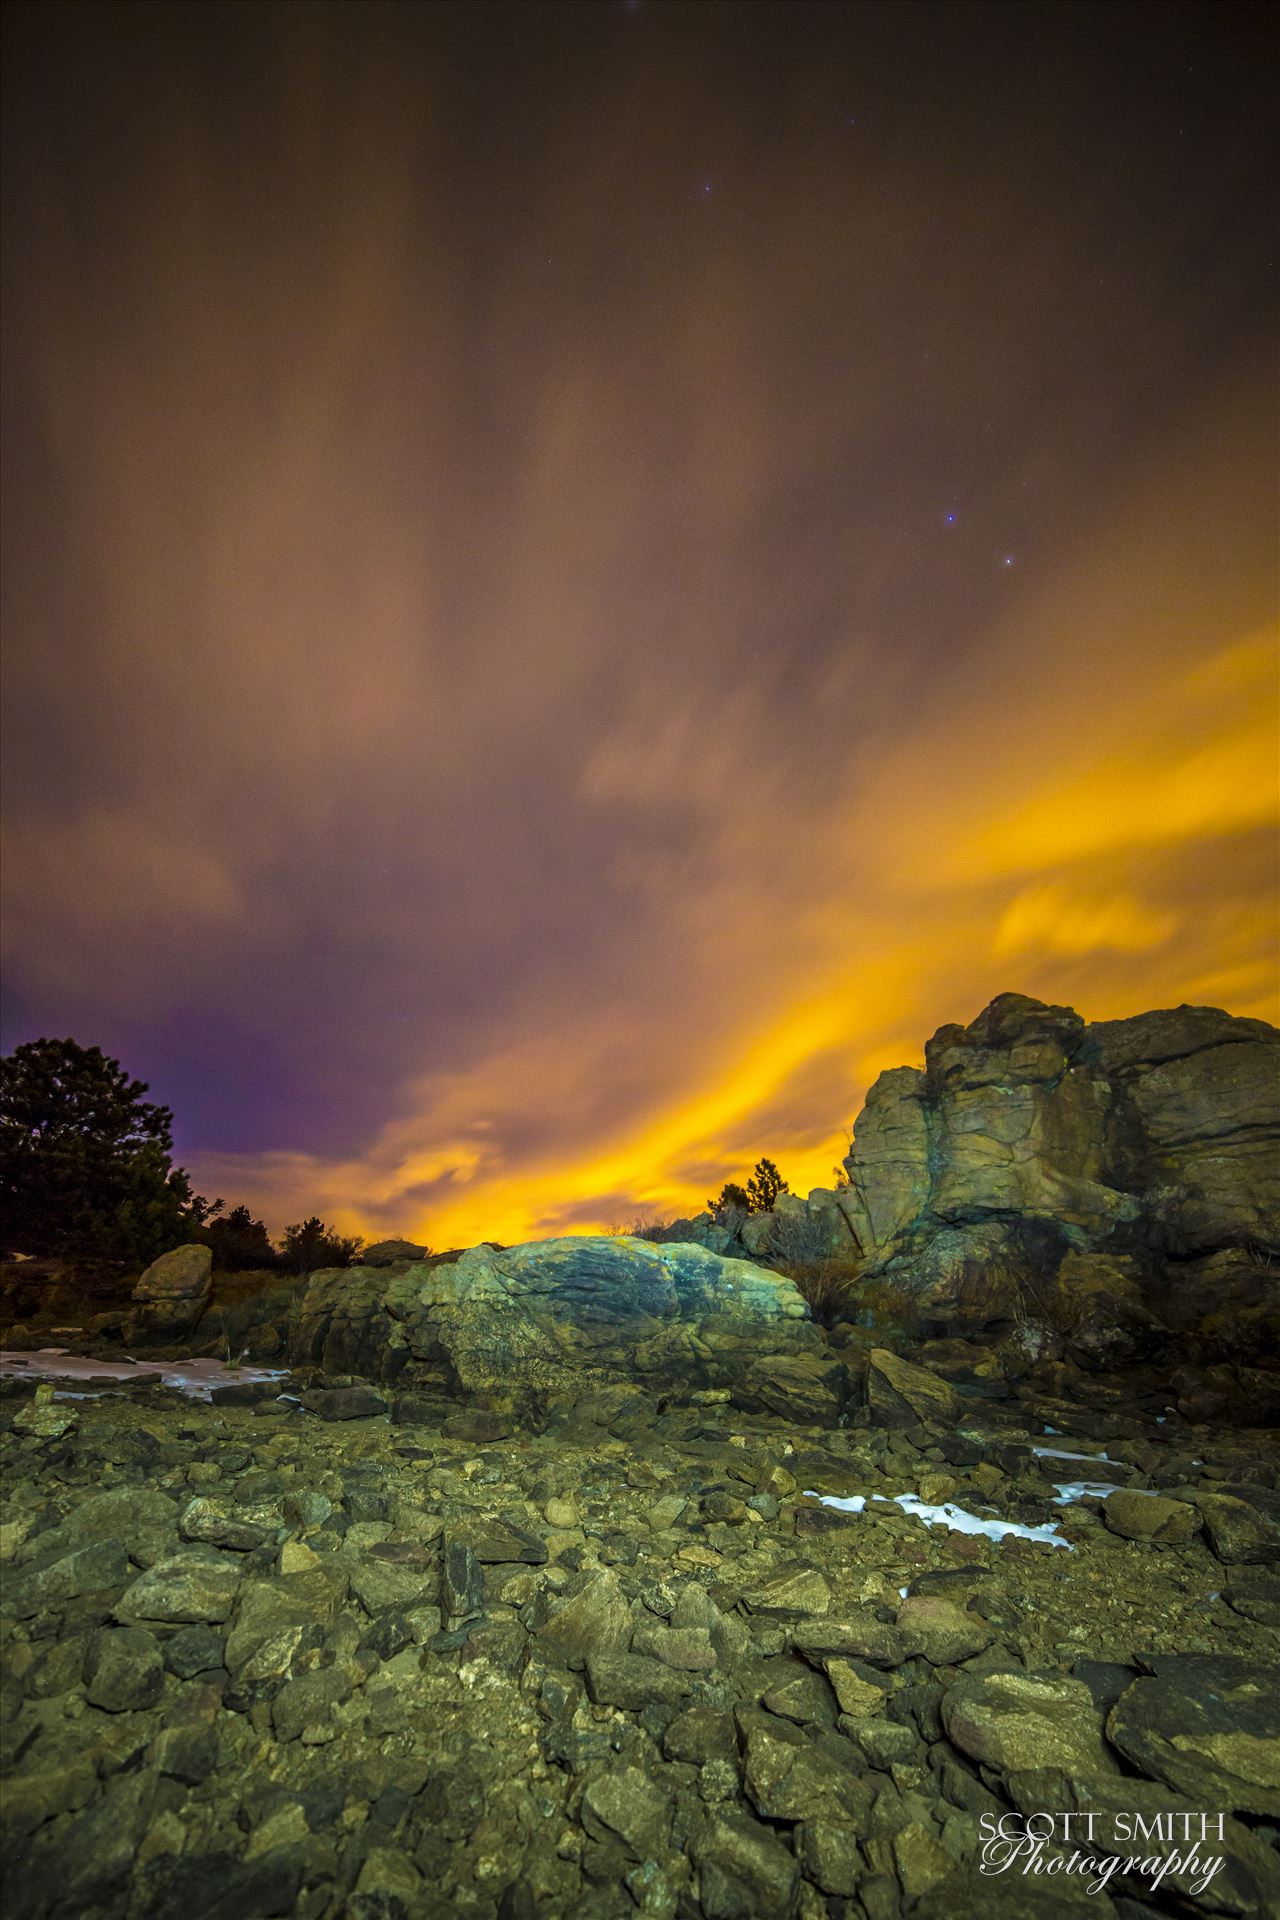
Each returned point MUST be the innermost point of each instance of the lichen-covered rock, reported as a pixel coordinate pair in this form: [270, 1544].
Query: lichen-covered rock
[564, 1316]
[171, 1295]
[1062, 1180]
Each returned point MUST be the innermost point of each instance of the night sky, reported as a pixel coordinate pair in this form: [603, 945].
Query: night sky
[579, 578]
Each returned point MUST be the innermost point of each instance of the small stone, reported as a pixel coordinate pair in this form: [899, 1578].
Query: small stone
[286, 1827]
[39, 1794]
[725, 1508]
[629, 1681]
[211, 1522]
[123, 1671]
[921, 1860]
[41, 1586]
[194, 1650]
[307, 1700]
[395, 1578]
[345, 1403]
[831, 1857]
[700, 1734]
[745, 1869]
[389, 1885]
[591, 1617]
[1240, 1533]
[687, 1648]
[665, 1513]
[796, 1593]
[462, 1589]
[866, 1639]
[189, 1753]
[696, 1556]
[44, 1418]
[807, 1701]
[561, 1513]
[297, 1557]
[628, 1805]
[791, 1779]
[857, 1697]
[940, 1630]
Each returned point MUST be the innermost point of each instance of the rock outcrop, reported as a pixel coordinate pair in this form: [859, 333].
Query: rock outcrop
[171, 1295]
[528, 1323]
[1039, 1170]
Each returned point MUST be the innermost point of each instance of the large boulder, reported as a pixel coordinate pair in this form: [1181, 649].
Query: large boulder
[389, 1253]
[171, 1295]
[531, 1323]
[1068, 1181]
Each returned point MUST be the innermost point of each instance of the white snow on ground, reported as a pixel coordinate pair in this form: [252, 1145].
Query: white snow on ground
[1069, 1491]
[1060, 1453]
[195, 1378]
[955, 1519]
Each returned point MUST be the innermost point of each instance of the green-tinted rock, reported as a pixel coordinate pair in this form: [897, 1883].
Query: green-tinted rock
[629, 1681]
[940, 1630]
[1020, 1720]
[190, 1587]
[1143, 1516]
[1209, 1727]
[745, 1871]
[124, 1671]
[628, 1806]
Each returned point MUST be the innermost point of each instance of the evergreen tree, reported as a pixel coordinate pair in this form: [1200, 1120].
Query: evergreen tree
[240, 1243]
[85, 1162]
[764, 1186]
[309, 1244]
[732, 1199]
[758, 1196]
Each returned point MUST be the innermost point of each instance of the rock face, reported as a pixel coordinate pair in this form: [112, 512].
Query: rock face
[171, 1295]
[559, 1316]
[1056, 1175]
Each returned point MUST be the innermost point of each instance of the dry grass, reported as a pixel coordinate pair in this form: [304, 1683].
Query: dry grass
[828, 1285]
[655, 1230]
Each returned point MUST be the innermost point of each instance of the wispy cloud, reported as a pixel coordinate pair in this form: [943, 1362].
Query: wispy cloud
[500, 729]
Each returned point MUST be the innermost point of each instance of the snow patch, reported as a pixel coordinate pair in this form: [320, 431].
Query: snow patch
[195, 1378]
[955, 1519]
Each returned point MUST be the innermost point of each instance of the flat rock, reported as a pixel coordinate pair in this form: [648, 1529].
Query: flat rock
[1208, 1726]
[1021, 1720]
[1143, 1516]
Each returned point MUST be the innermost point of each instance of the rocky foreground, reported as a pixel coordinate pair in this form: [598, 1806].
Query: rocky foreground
[526, 1601]
[348, 1655]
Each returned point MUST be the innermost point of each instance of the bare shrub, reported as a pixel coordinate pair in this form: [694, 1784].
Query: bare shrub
[800, 1247]
[642, 1229]
[828, 1285]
